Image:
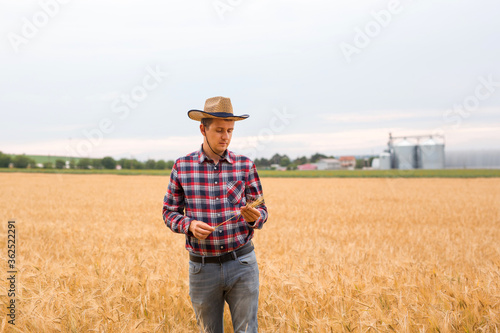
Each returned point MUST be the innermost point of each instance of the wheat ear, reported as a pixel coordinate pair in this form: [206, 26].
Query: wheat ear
[253, 204]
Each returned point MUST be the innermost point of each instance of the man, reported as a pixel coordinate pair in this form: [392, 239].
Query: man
[207, 201]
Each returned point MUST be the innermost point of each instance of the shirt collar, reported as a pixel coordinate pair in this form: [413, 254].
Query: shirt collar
[203, 157]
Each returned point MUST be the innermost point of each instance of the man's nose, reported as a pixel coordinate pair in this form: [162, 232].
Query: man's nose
[225, 135]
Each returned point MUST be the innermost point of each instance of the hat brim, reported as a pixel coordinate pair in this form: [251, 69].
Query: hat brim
[199, 115]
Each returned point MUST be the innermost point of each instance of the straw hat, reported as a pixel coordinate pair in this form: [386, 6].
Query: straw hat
[216, 107]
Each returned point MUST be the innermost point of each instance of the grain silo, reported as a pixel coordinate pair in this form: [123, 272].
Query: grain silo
[431, 155]
[385, 161]
[405, 154]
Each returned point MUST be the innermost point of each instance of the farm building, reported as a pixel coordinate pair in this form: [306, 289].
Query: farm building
[473, 159]
[407, 153]
[328, 164]
[347, 162]
[307, 166]
[278, 167]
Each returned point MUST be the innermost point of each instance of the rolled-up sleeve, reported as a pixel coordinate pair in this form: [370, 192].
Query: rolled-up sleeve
[253, 190]
[174, 204]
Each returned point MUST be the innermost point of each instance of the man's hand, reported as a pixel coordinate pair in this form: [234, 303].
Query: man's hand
[200, 230]
[250, 214]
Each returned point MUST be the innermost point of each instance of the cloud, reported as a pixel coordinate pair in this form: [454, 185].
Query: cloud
[353, 117]
[361, 141]
[142, 148]
[104, 97]
[263, 54]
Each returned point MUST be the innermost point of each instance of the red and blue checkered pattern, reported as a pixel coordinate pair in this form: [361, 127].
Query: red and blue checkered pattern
[200, 190]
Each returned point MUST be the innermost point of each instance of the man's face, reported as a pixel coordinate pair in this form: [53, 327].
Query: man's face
[219, 134]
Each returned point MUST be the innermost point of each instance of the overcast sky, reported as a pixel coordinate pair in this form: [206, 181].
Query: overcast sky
[96, 78]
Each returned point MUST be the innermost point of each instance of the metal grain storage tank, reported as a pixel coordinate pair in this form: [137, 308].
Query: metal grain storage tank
[385, 161]
[432, 155]
[405, 155]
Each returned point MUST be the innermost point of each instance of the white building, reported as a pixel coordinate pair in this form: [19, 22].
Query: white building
[278, 167]
[328, 164]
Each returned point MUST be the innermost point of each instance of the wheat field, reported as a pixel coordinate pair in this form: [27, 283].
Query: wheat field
[336, 255]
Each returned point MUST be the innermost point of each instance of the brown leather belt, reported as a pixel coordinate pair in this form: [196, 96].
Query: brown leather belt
[245, 249]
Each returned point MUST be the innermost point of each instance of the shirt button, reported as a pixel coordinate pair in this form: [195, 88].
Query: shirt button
[215, 182]
[220, 231]
[221, 247]
[217, 198]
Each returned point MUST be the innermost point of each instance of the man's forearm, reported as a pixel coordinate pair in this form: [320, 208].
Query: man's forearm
[176, 221]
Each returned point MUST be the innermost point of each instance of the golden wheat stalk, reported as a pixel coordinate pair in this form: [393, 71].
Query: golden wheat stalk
[253, 204]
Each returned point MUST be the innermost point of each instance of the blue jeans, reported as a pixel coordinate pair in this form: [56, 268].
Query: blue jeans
[235, 282]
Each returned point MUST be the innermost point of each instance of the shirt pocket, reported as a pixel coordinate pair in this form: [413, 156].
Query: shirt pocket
[235, 192]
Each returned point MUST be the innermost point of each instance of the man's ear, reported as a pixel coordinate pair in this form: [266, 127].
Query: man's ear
[202, 129]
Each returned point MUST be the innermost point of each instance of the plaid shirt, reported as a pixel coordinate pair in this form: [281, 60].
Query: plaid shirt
[212, 194]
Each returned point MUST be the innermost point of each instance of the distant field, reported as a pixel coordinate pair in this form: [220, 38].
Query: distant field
[336, 255]
[447, 173]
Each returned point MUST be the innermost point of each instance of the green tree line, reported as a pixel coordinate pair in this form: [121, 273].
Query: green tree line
[285, 161]
[108, 162]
